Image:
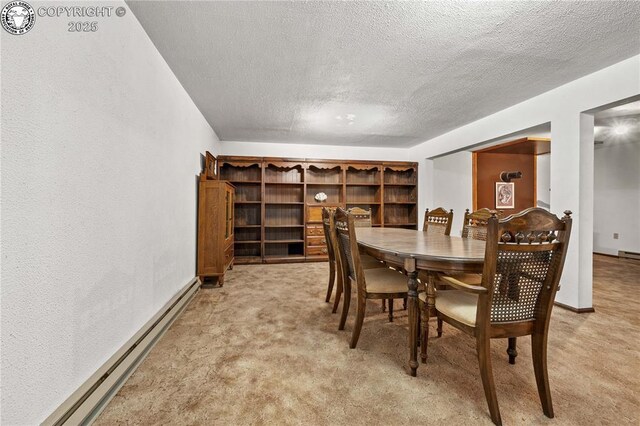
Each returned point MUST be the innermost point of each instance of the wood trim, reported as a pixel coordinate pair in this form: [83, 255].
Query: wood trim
[535, 181]
[576, 310]
[88, 401]
[474, 181]
[513, 142]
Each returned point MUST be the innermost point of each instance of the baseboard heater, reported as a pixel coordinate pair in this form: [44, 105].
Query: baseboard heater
[86, 403]
[629, 254]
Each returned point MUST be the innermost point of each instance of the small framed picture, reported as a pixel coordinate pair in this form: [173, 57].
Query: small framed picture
[505, 195]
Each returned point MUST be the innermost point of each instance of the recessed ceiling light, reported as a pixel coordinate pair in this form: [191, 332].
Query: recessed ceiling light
[620, 129]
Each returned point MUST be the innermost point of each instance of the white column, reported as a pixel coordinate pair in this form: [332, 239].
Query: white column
[572, 189]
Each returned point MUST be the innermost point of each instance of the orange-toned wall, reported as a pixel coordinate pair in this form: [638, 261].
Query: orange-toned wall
[488, 168]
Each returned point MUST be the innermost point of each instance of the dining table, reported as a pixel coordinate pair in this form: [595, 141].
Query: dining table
[413, 251]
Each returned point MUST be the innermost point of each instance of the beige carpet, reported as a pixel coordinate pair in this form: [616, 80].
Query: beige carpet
[265, 350]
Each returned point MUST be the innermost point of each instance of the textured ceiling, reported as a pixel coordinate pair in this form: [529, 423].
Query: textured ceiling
[377, 74]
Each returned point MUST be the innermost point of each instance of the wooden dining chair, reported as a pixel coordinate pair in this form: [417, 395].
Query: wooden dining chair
[376, 283]
[524, 258]
[474, 226]
[438, 221]
[327, 219]
[362, 219]
[335, 276]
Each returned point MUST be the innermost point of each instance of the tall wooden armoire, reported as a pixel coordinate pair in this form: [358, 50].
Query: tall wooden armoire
[215, 227]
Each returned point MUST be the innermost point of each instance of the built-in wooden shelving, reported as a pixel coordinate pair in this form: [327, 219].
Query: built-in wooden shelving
[278, 218]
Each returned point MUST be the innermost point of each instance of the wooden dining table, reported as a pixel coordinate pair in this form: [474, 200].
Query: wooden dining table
[421, 251]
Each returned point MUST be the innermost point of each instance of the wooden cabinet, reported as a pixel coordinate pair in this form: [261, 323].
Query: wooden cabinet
[279, 219]
[216, 206]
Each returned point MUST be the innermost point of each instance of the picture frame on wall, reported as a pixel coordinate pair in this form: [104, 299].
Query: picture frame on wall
[505, 195]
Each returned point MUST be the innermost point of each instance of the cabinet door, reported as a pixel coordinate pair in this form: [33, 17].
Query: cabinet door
[228, 207]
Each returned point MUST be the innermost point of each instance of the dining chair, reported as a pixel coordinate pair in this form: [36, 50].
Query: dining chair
[474, 226]
[335, 275]
[438, 221]
[362, 219]
[376, 283]
[524, 258]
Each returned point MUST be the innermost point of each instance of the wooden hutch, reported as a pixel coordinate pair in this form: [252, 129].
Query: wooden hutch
[277, 216]
[216, 200]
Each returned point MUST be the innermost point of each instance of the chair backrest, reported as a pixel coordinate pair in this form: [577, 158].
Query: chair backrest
[347, 247]
[474, 225]
[328, 214]
[438, 221]
[524, 257]
[361, 217]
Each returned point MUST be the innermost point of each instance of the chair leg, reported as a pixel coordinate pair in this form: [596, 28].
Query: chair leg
[439, 327]
[486, 372]
[339, 289]
[539, 356]
[511, 350]
[384, 305]
[346, 285]
[390, 310]
[332, 278]
[362, 305]
[424, 331]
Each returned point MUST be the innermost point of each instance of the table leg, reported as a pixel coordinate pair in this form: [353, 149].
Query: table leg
[426, 314]
[412, 284]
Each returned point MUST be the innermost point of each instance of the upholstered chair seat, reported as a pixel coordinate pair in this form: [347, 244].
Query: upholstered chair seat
[385, 281]
[456, 304]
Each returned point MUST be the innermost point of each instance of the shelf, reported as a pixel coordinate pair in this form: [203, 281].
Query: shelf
[284, 226]
[248, 202]
[400, 202]
[284, 183]
[283, 258]
[241, 260]
[284, 202]
[400, 184]
[325, 183]
[252, 182]
[247, 226]
[353, 203]
[363, 184]
[247, 242]
[282, 241]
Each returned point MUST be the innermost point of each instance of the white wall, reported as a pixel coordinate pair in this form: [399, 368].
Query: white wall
[301, 150]
[452, 186]
[617, 197]
[571, 163]
[100, 151]
[543, 179]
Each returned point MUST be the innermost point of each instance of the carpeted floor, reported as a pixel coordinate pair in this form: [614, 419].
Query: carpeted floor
[265, 350]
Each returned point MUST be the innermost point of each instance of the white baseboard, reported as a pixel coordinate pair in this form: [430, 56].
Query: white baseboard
[86, 403]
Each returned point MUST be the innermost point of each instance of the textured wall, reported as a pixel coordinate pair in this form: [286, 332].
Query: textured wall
[100, 151]
[313, 151]
[452, 177]
[617, 196]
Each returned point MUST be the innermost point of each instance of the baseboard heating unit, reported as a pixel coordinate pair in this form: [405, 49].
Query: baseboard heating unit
[86, 403]
[628, 254]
